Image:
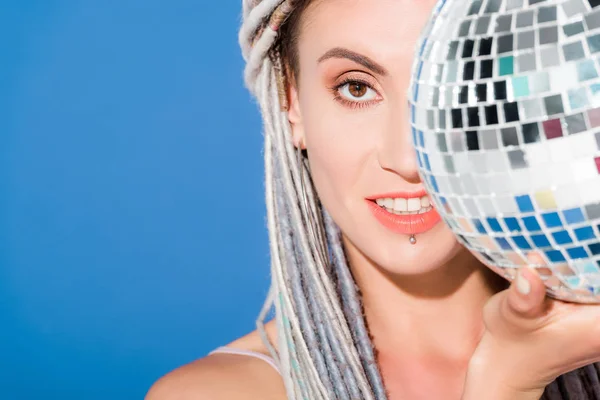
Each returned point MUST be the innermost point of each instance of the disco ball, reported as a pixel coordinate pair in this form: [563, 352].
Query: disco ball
[505, 117]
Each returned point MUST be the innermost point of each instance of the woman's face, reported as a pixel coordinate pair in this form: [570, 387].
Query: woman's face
[350, 111]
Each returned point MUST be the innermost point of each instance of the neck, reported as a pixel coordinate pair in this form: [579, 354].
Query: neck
[436, 313]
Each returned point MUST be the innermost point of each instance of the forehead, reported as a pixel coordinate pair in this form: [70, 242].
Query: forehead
[381, 28]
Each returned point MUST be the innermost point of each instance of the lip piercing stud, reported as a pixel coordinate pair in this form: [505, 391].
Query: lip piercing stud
[413, 239]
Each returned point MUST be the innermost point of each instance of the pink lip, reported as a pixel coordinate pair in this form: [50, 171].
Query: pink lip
[393, 195]
[409, 224]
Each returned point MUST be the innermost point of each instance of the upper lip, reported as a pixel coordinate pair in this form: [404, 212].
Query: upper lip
[404, 194]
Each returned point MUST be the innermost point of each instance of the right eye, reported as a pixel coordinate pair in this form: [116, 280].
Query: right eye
[357, 91]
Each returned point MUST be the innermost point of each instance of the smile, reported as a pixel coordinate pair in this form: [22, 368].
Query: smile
[404, 213]
[404, 206]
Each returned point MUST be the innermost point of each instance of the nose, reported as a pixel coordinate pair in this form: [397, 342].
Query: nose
[395, 151]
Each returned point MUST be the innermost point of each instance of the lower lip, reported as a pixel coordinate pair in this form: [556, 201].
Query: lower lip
[410, 224]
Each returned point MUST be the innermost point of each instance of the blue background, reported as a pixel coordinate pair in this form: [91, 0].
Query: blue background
[132, 224]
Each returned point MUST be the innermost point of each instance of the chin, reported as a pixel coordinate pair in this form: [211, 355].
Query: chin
[433, 250]
[394, 253]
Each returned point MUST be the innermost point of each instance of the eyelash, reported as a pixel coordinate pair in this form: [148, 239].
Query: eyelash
[349, 103]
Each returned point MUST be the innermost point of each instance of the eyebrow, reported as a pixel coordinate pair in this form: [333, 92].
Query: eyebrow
[340, 52]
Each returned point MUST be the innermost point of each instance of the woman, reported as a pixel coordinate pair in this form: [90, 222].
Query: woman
[374, 297]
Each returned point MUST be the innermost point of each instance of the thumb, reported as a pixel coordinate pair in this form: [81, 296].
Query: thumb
[527, 294]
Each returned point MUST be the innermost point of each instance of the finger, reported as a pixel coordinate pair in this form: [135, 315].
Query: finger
[527, 293]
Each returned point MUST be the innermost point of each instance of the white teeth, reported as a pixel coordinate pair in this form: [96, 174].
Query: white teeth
[415, 205]
[400, 205]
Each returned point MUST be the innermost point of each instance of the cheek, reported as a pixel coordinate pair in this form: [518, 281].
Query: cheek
[333, 164]
[339, 146]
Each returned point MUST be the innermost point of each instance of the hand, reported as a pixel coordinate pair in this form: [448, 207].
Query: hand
[530, 340]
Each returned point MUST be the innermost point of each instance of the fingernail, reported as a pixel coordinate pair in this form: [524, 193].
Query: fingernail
[523, 285]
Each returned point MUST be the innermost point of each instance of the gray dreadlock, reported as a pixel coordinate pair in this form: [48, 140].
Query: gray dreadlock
[324, 351]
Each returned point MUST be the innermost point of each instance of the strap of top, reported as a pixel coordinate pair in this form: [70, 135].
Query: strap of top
[249, 353]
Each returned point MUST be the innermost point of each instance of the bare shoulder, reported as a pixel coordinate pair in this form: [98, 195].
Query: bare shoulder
[223, 376]
[220, 377]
